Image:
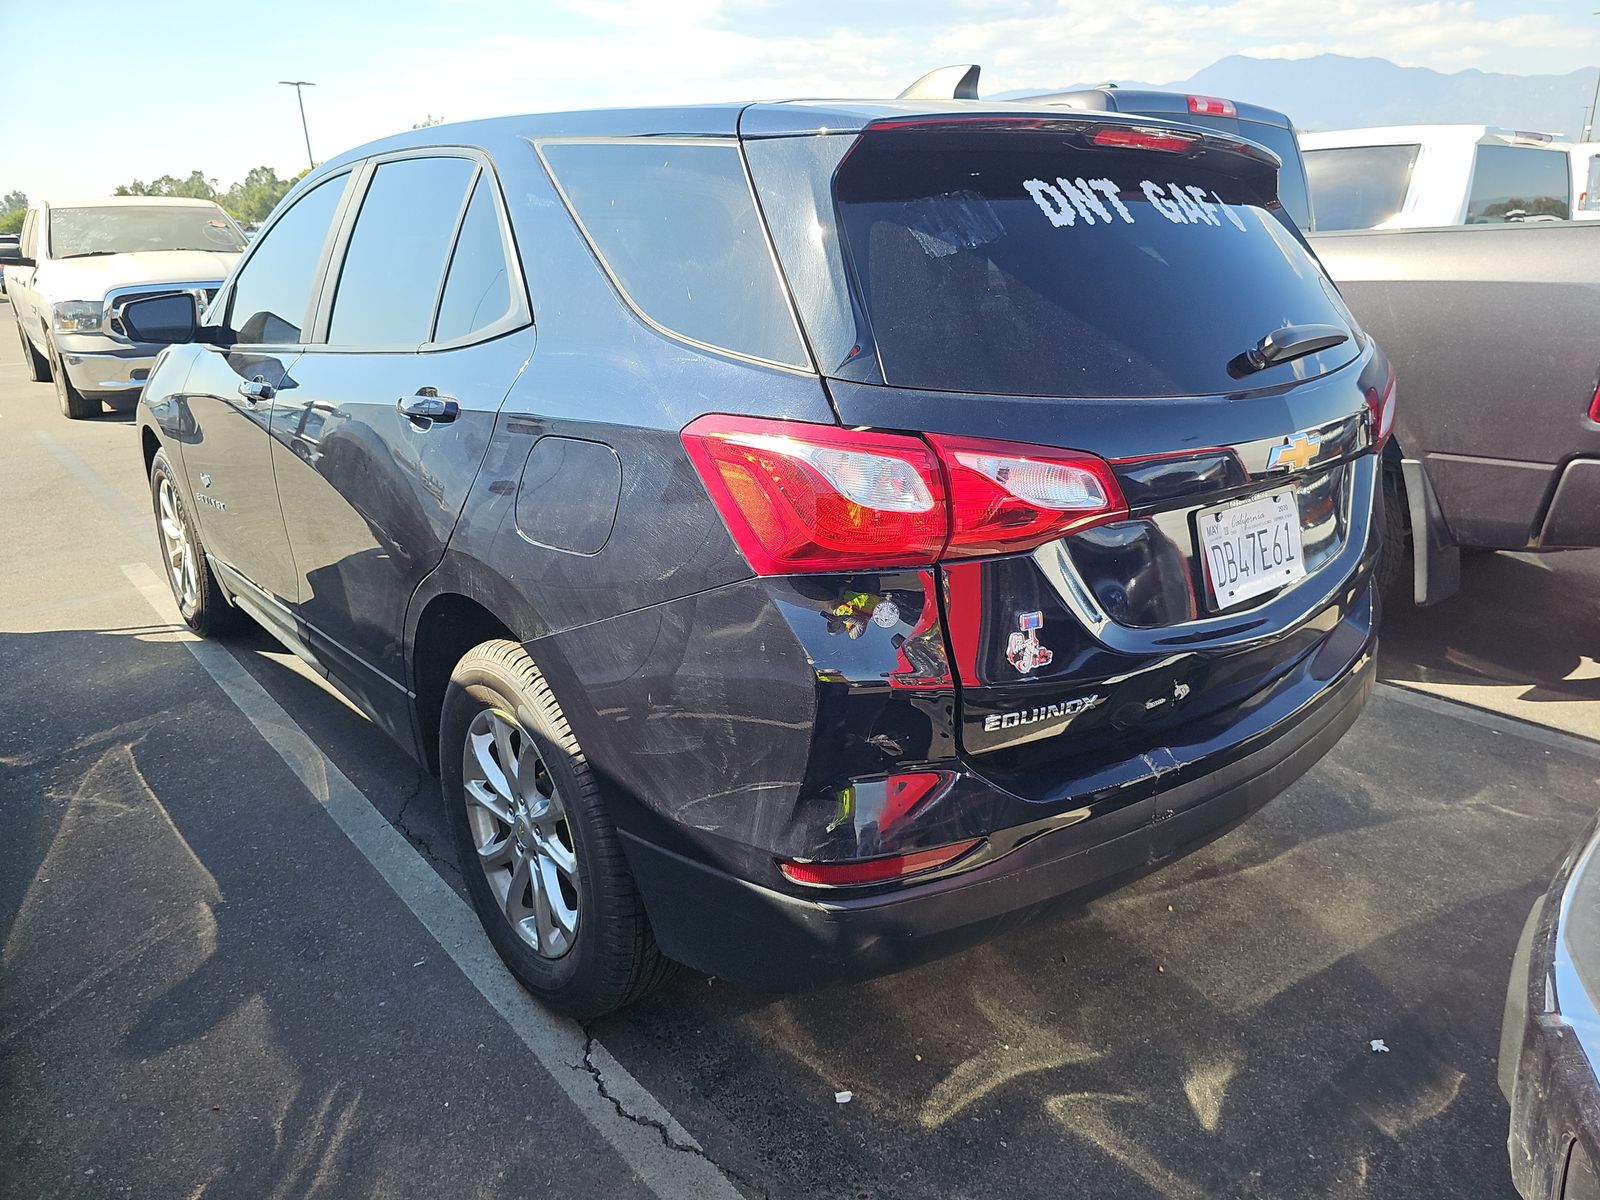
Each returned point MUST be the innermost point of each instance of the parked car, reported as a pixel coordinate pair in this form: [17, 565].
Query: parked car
[1586, 179]
[1550, 1039]
[1420, 176]
[838, 577]
[1266, 126]
[1492, 329]
[78, 265]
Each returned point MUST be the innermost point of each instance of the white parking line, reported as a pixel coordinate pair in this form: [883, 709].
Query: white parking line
[670, 1172]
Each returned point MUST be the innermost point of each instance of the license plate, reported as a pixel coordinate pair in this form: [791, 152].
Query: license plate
[1251, 546]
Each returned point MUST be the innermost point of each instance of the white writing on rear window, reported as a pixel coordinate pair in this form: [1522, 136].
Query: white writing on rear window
[1068, 202]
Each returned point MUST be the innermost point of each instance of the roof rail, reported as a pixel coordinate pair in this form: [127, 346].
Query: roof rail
[958, 82]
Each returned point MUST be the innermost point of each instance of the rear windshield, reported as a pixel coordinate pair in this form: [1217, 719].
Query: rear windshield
[1359, 187]
[1591, 195]
[129, 229]
[1023, 263]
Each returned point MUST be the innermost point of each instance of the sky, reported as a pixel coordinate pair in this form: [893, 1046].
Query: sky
[195, 85]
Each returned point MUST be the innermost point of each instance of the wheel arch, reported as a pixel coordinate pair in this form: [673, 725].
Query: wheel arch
[448, 625]
[151, 445]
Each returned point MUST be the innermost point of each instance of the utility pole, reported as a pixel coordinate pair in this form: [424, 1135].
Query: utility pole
[297, 84]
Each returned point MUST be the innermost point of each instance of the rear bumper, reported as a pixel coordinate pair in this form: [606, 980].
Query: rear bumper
[756, 936]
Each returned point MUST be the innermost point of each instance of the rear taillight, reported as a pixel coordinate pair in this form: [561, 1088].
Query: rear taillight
[1381, 406]
[800, 498]
[1143, 139]
[1212, 106]
[1006, 497]
[1594, 405]
[875, 870]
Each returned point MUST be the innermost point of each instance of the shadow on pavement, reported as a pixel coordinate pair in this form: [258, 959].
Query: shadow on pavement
[1529, 621]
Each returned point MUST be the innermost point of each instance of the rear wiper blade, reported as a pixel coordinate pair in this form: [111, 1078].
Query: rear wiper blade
[1286, 345]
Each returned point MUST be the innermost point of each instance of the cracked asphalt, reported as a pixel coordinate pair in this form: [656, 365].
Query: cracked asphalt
[209, 987]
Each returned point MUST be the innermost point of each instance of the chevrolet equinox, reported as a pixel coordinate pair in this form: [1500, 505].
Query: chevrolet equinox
[804, 538]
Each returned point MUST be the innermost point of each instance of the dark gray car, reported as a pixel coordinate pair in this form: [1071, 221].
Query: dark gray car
[805, 538]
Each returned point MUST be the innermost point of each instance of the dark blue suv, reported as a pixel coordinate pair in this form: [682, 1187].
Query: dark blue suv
[804, 537]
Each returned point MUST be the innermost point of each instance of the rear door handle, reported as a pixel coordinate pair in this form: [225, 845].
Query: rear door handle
[428, 406]
[257, 389]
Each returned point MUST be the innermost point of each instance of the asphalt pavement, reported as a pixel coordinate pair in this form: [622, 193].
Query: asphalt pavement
[234, 960]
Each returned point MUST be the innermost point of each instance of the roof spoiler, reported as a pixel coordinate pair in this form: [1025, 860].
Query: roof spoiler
[958, 82]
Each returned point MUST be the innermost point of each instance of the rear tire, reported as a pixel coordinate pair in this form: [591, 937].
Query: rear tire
[541, 860]
[38, 366]
[1393, 571]
[75, 406]
[201, 601]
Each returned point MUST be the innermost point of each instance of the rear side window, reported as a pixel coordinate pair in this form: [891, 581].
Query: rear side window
[1280, 140]
[1030, 263]
[273, 290]
[1591, 194]
[1359, 187]
[395, 260]
[1518, 183]
[677, 228]
[477, 291]
[1293, 190]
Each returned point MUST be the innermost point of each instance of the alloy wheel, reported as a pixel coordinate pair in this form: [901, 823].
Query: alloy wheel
[520, 828]
[177, 547]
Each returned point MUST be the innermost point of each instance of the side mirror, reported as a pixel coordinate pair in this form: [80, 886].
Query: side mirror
[162, 320]
[11, 256]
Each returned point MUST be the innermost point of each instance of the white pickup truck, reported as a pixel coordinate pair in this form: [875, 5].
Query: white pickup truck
[78, 264]
[1428, 176]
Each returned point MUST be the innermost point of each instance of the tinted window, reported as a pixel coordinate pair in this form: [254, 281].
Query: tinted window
[1514, 183]
[1292, 188]
[1591, 195]
[395, 260]
[477, 292]
[1025, 263]
[273, 290]
[678, 228]
[1277, 138]
[1359, 187]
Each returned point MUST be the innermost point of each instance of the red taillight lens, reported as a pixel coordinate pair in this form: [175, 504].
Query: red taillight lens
[1594, 405]
[1006, 497]
[875, 870]
[1143, 139]
[1212, 106]
[799, 497]
[1381, 406]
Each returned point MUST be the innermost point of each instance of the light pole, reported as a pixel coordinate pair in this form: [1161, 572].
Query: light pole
[297, 84]
[1588, 126]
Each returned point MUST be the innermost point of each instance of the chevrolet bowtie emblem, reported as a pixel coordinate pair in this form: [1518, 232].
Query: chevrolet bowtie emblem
[1296, 453]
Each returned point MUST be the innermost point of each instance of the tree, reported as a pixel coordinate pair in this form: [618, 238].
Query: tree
[195, 187]
[11, 222]
[428, 122]
[13, 202]
[253, 197]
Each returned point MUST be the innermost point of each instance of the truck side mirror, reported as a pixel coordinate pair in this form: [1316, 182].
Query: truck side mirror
[162, 320]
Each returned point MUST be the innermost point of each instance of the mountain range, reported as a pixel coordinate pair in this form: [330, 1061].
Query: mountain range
[1333, 91]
